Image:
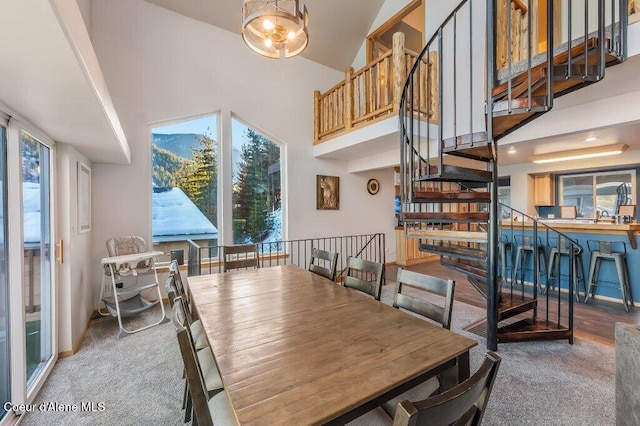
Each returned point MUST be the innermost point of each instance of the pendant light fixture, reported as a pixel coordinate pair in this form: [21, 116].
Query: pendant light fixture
[275, 29]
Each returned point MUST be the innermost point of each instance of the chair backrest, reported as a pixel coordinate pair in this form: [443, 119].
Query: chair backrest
[193, 371]
[131, 244]
[438, 286]
[464, 404]
[328, 258]
[241, 256]
[170, 285]
[568, 212]
[358, 272]
[119, 246]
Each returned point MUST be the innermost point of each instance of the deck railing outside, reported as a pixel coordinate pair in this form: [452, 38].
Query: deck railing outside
[372, 93]
[208, 259]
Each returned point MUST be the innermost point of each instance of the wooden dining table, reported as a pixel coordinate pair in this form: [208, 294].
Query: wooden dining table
[295, 348]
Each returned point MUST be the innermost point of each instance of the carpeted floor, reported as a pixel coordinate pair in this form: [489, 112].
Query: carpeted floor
[138, 378]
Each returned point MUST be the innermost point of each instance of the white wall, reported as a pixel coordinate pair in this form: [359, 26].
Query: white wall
[389, 9]
[75, 289]
[162, 66]
[85, 11]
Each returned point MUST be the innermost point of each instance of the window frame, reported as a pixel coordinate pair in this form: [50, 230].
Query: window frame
[594, 175]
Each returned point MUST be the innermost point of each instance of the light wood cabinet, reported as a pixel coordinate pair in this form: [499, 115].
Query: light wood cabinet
[407, 252]
[544, 190]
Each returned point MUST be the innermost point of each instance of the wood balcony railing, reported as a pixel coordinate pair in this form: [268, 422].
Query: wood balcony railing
[373, 92]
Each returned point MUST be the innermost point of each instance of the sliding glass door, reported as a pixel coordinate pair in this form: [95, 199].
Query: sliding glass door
[5, 361]
[36, 284]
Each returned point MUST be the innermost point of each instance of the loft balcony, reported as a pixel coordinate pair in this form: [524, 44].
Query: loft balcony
[358, 117]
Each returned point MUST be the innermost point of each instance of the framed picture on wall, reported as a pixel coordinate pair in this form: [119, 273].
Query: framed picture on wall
[327, 192]
[634, 11]
[84, 198]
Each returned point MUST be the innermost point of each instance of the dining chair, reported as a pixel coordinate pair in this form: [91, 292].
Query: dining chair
[319, 261]
[175, 285]
[358, 270]
[206, 409]
[431, 285]
[464, 404]
[428, 286]
[241, 256]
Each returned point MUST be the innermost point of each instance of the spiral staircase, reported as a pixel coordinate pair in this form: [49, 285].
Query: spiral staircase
[449, 163]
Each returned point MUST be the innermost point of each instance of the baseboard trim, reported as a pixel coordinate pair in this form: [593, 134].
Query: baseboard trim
[76, 345]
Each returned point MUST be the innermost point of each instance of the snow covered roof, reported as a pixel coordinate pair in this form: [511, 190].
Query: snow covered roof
[174, 217]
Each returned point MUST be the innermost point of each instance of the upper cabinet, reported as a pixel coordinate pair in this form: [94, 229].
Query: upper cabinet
[544, 189]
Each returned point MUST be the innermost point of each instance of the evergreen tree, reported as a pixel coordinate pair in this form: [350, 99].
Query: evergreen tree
[255, 196]
[198, 178]
[166, 165]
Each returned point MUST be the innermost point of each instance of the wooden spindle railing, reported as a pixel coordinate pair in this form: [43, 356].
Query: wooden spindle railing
[373, 92]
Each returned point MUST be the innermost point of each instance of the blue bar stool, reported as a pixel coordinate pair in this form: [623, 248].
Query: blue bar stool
[614, 251]
[526, 245]
[506, 261]
[559, 247]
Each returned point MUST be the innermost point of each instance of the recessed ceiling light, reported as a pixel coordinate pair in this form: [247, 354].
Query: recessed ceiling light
[591, 139]
[512, 150]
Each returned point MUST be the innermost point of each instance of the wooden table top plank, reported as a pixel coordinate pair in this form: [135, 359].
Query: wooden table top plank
[349, 343]
[302, 382]
[286, 338]
[361, 386]
[295, 348]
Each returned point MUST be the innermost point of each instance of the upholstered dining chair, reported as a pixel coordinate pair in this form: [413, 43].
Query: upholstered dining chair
[323, 263]
[422, 286]
[206, 408]
[174, 285]
[358, 270]
[464, 404]
[242, 256]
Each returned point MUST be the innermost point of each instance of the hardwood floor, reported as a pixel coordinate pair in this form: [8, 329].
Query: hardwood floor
[595, 321]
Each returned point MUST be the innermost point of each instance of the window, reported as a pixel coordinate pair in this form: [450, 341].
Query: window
[597, 192]
[185, 183]
[257, 195]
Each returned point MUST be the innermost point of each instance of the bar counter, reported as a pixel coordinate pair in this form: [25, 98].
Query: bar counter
[581, 231]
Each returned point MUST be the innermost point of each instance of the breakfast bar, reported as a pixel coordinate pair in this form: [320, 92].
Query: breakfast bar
[581, 231]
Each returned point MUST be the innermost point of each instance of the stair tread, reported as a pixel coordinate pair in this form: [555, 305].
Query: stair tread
[452, 173]
[453, 197]
[439, 234]
[446, 216]
[540, 69]
[523, 330]
[455, 251]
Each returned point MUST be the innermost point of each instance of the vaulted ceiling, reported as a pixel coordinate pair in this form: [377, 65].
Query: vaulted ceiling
[337, 28]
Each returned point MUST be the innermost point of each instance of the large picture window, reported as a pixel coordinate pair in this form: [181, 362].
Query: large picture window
[257, 195]
[185, 183]
[594, 193]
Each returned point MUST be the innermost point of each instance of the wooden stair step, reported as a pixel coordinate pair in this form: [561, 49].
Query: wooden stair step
[452, 197]
[559, 59]
[450, 173]
[479, 285]
[460, 252]
[473, 269]
[514, 304]
[473, 145]
[444, 235]
[446, 216]
[528, 329]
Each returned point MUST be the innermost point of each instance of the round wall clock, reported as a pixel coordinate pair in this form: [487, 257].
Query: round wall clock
[373, 186]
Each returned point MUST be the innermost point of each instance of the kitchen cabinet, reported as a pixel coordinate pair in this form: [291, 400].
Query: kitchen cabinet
[407, 252]
[544, 190]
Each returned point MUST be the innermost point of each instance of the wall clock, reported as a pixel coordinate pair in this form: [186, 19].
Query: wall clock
[373, 186]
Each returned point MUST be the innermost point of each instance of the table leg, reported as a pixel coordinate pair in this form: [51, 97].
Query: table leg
[456, 374]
